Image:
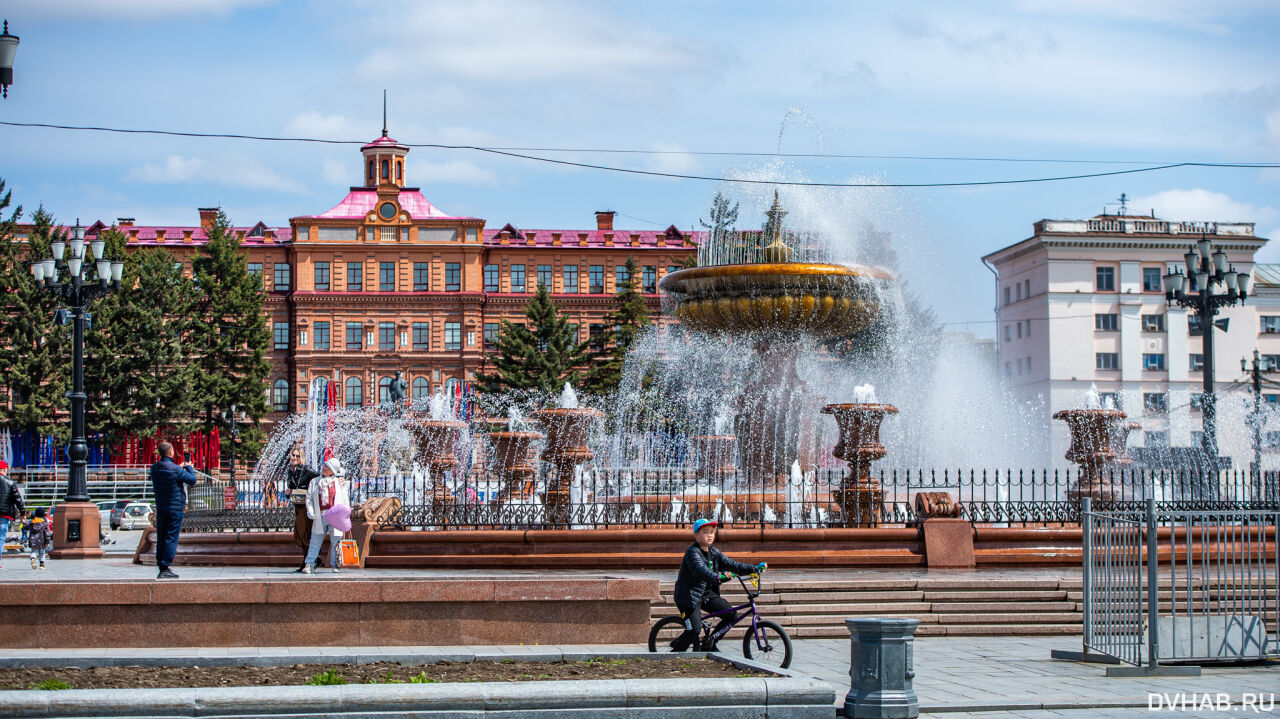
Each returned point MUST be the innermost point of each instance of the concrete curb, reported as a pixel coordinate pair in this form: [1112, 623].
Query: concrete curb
[787, 696]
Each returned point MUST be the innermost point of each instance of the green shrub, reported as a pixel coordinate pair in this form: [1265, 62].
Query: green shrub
[329, 677]
[51, 685]
[422, 678]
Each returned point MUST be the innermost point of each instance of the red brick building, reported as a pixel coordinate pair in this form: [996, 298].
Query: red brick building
[385, 281]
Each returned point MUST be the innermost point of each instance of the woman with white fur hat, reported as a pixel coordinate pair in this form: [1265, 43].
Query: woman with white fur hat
[325, 492]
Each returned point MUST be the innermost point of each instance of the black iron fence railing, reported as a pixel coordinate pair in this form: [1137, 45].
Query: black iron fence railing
[658, 498]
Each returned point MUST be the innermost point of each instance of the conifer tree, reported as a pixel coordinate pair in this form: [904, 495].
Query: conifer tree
[539, 357]
[627, 319]
[35, 360]
[229, 335]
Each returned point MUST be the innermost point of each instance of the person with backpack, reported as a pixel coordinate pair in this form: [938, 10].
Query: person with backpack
[327, 498]
[39, 537]
[11, 504]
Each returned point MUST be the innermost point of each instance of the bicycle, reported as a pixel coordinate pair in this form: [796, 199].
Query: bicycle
[762, 642]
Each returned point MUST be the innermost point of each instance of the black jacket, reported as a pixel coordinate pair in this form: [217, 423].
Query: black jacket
[11, 504]
[168, 481]
[299, 476]
[699, 575]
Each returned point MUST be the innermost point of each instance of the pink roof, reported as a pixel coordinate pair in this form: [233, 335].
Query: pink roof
[648, 239]
[361, 201]
[383, 141]
[173, 235]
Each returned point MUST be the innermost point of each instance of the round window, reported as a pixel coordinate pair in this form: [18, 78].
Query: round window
[387, 211]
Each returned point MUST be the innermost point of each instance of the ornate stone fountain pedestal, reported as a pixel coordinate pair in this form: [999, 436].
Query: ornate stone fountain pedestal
[512, 465]
[715, 457]
[860, 497]
[1123, 430]
[566, 447]
[435, 440]
[1094, 435]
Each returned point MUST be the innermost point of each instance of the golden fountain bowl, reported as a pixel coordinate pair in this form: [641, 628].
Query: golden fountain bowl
[823, 300]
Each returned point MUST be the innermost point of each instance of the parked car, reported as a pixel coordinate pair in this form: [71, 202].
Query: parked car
[117, 512]
[136, 516]
[104, 510]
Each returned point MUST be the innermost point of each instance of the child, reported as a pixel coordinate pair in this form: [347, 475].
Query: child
[698, 585]
[39, 536]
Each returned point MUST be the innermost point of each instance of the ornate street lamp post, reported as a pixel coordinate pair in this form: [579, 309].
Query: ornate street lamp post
[1209, 284]
[8, 51]
[76, 531]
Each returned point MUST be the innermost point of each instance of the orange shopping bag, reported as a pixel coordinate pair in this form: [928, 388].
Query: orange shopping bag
[349, 552]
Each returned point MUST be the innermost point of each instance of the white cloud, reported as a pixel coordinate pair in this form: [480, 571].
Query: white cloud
[227, 170]
[1199, 204]
[339, 173]
[130, 9]
[325, 127]
[455, 172]
[674, 159]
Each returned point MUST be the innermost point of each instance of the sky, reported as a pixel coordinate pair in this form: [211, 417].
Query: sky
[1094, 85]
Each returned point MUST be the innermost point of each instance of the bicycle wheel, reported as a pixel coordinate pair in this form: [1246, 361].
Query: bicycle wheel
[769, 644]
[665, 630]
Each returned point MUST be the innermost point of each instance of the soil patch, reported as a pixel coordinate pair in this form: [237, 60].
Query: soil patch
[507, 670]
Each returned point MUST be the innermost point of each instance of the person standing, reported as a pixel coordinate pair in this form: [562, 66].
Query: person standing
[327, 491]
[298, 479]
[11, 504]
[168, 483]
[40, 537]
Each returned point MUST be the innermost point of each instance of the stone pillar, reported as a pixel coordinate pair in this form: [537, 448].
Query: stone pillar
[881, 668]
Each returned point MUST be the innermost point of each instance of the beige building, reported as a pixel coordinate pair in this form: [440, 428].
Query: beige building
[1081, 303]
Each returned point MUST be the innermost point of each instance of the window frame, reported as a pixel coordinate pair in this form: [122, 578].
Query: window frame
[517, 286]
[1114, 319]
[358, 329]
[569, 279]
[422, 277]
[281, 277]
[384, 329]
[321, 276]
[356, 270]
[1098, 271]
[276, 342]
[1154, 362]
[1098, 363]
[595, 273]
[422, 330]
[320, 335]
[492, 274]
[453, 277]
[1159, 279]
[453, 329]
[385, 270]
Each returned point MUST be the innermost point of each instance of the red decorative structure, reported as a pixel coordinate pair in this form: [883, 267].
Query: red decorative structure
[1122, 443]
[565, 449]
[715, 457]
[860, 498]
[511, 460]
[435, 440]
[1094, 435]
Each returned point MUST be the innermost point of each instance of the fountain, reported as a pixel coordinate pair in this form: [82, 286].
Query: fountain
[1096, 432]
[566, 447]
[511, 457]
[775, 303]
[860, 498]
[715, 452]
[435, 438]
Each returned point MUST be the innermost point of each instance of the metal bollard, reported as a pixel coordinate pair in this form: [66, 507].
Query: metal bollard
[881, 669]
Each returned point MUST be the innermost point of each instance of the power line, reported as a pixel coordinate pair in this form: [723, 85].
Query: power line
[653, 173]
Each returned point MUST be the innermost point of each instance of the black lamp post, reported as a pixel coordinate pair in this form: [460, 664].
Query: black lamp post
[230, 419]
[8, 51]
[68, 281]
[1209, 285]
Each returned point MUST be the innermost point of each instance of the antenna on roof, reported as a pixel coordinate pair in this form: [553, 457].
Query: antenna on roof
[384, 112]
[1124, 202]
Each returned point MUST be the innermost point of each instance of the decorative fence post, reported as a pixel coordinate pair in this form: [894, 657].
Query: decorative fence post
[881, 667]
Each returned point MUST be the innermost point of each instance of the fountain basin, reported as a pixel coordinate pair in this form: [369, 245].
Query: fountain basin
[435, 440]
[567, 432]
[859, 425]
[824, 300]
[511, 462]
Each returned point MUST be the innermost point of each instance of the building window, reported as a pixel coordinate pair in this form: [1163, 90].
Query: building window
[1156, 439]
[280, 335]
[595, 279]
[490, 278]
[1019, 329]
[1106, 322]
[388, 234]
[386, 335]
[1193, 324]
[355, 276]
[355, 336]
[1008, 333]
[1107, 360]
[1019, 366]
[421, 276]
[1271, 398]
[517, 278]
[281, 271]
[491, 335]
[386, 277]
[1155, 402]
[570, 278]
[280, 396]
[421, 390]
[544, 276]
[649, 279]
[322, 335]
[1196, 362]
[322, 277]
[1106, 279]
[1109, 400]
[386, 170]
[1008, 295]
[255, 268]
[1151, 279]
[1028, 365]
[1153, 323]
[355, 392]
[1018, 287]
[1153, 362]
[453, 335]
[673, 268]
[452, 277]
[384, 391]
[1270, 324]
[1271, 360]
[1028, 324]
[621, 278]
[1026, 288]
[596, 334]
[421, 336]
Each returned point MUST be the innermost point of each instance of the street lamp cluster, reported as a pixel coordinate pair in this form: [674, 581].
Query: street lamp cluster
[1210, 283]
[66, 278]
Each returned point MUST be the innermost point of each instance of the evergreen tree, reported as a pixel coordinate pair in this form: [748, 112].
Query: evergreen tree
[721, 218]
[628, 318]
[35, 359]
[539, 357]
[229, 335]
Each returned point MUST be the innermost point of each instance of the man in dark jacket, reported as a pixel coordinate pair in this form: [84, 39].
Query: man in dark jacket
[168, 482]
[11, 505]
[698, 585]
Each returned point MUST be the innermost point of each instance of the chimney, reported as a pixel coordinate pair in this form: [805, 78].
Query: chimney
[124, 221]
[604, 219]
[207, 216]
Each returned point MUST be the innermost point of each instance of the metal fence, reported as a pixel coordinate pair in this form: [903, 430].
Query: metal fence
[665, 497]
[47, 485]
[1213, 601]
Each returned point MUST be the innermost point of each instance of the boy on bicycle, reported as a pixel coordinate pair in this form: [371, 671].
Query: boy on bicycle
[698, 586]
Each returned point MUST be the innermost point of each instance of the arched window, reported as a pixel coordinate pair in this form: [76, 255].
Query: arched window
[370, 170]
[386, 170]
[321, 385]
[355, 392]
[451, 388]
[280, 396]
[421, 390]
[384, 391]
[399, 169]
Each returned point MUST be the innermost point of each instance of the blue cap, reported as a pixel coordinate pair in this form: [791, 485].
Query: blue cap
[704, 522]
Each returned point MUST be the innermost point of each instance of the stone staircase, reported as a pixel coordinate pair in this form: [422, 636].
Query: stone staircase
[945, 607]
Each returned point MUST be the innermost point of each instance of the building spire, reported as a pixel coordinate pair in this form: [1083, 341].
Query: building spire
[384, 112]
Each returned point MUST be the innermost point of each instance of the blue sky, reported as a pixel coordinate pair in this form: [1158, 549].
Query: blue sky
[1041, 79]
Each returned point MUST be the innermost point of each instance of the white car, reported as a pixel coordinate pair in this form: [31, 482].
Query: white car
[104, 511]
[135, 516]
